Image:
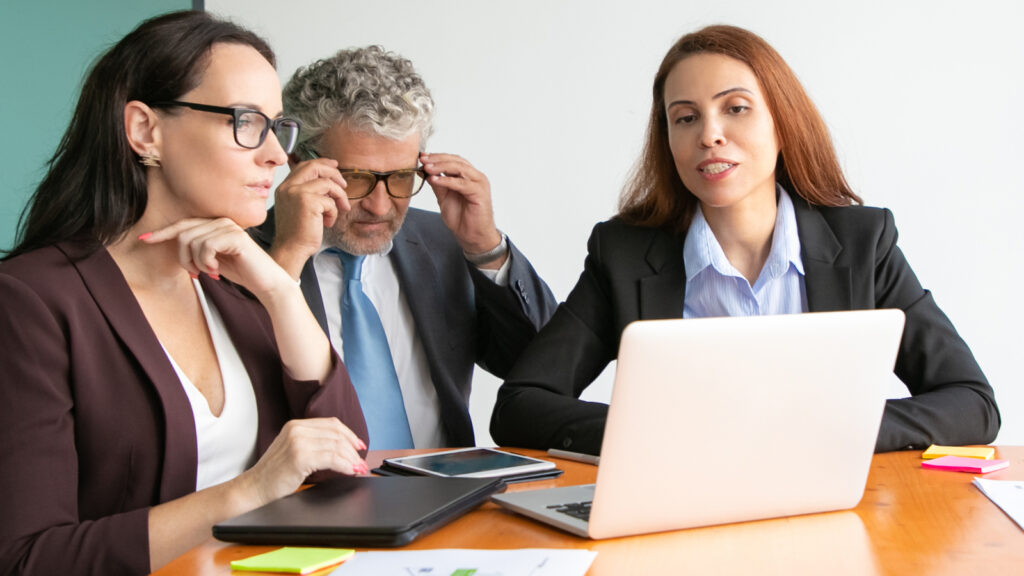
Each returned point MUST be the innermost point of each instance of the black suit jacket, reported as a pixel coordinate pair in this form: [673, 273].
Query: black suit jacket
[851, 262]
[95, 426]
[461, 316]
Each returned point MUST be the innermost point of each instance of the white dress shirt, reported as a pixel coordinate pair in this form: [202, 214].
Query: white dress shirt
[380, 283]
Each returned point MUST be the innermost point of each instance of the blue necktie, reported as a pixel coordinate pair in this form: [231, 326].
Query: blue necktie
[369, 363]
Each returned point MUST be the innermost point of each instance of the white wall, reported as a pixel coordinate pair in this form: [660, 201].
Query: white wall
[549, 99]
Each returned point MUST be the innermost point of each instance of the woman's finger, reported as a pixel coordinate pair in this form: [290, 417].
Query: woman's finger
[207, 242]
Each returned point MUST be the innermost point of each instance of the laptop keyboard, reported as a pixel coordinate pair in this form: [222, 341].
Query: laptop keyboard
[580, 510]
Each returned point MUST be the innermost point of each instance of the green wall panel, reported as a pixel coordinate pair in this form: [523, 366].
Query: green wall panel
[46, 47]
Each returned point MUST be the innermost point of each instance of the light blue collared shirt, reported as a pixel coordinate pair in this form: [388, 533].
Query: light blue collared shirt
[715, 288]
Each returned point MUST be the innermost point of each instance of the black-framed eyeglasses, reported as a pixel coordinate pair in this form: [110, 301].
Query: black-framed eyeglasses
[398, 183]
[250, 126]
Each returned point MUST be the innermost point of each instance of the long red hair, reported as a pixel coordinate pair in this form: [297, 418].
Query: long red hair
[807, 166]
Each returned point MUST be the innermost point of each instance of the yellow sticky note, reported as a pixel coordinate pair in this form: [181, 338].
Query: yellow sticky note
[293, 560]
[980, 452]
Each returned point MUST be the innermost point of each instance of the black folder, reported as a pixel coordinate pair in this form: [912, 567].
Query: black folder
[360, 511]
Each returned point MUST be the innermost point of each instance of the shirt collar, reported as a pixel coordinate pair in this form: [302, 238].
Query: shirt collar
[785, 241]
[701, 249]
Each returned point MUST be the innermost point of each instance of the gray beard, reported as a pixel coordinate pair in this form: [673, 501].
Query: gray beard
[335, 239]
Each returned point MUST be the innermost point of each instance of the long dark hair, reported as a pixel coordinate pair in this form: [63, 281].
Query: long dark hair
[95, 189]
[807, 166]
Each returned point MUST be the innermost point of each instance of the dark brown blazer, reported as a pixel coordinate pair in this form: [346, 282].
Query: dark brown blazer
[851, 262]
[95, 426]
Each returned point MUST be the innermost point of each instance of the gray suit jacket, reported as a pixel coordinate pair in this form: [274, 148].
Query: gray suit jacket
[462, 317]
[851, 262]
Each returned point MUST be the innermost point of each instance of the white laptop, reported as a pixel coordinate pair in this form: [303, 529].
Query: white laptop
[719, 420]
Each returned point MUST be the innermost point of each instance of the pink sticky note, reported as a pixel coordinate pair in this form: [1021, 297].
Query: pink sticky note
[961, 464]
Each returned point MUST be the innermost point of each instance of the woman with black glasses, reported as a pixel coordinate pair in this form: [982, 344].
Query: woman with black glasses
[161, 372]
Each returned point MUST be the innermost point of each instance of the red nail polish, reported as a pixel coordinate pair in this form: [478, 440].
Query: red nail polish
[193, 276]
[215, 277]
[145, 236]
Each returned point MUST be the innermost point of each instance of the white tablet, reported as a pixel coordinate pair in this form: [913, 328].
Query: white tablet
[470, 463]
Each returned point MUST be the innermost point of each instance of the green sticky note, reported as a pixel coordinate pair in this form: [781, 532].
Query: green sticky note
[464, 572]
[293, 560]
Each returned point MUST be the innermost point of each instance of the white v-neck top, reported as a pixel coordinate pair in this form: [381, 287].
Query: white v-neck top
[226, 443]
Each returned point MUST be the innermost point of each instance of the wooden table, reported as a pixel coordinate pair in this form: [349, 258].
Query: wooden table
[910, 521]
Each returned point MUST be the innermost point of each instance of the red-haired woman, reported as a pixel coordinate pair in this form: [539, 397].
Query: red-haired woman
[738, 207]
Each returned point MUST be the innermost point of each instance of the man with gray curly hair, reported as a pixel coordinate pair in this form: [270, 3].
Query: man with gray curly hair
[411, 299]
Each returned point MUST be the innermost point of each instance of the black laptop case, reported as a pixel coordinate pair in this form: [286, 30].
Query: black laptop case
[360, 511]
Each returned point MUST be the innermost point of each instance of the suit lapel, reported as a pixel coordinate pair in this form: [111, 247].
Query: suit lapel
[661, 294]
[421, 284]
[105, 282]
[828, 285]
[311, 292]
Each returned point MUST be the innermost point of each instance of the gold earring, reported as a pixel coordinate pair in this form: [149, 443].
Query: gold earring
[149, 159]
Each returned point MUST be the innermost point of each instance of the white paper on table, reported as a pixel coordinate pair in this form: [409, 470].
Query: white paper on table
[446, 562]
[1007, 494]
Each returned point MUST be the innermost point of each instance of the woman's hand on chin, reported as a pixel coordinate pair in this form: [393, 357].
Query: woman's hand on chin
[220, 247]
